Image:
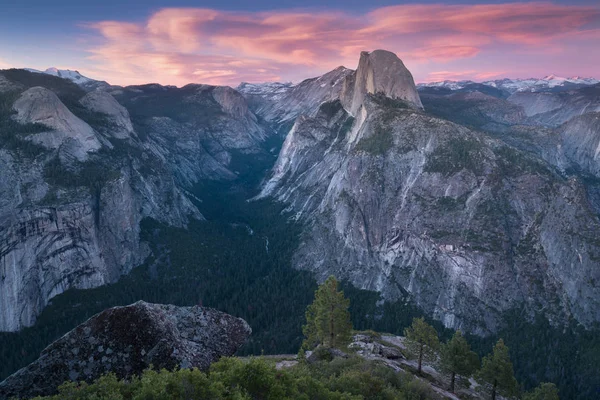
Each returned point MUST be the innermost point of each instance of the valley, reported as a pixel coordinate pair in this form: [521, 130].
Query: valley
[465, 207]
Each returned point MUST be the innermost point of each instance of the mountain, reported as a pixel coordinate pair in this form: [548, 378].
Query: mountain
[402, 202]
[477, 207]
[281, 104]
[550, 83]
[81, 170]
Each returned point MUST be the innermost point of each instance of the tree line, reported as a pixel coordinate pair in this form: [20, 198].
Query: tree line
[328, 325]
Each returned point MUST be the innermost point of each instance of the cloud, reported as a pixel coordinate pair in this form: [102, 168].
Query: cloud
[4, 64]
[439, 76]
[181, 45]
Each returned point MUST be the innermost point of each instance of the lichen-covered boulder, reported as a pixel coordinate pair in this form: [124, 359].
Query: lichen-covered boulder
[126, 341]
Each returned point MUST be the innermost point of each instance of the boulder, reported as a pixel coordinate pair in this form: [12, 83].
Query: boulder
[390, 353]
[126, 341]
[323, 353]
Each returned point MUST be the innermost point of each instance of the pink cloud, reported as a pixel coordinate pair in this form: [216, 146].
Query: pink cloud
[439, 76]
[181, 45]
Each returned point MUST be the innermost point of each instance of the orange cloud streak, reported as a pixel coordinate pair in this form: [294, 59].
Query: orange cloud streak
[178, 45]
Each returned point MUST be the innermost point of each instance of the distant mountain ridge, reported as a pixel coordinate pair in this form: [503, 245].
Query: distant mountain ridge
[549, 82]
[72, 75]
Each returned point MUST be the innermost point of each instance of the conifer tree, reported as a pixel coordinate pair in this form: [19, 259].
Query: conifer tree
[497, 370]
[545, 391]
[327, 318]
[423, 338]
[457, 358]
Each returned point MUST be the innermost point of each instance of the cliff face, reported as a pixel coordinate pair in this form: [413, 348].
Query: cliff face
[379, 72]
[197, 130]
[580, 142]
[282, 103]
[556, 108]
[101, 102]
[128, 340]
[60, 235]
[41, 106]
[71, 205]
[398, 201]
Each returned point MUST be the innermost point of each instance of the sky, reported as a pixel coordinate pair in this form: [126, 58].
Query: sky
[232, 41]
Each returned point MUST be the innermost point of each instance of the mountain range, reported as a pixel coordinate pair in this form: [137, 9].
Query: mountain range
[469, 200]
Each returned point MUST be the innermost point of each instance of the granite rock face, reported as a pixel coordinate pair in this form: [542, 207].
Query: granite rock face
[102, 102]
[128, 340]
[379, 72]
[283, 103]
[40, 105]
[55, 237]
[556, 108]
[580, 142]
[70, 211]
[197, 129]
[417, 207]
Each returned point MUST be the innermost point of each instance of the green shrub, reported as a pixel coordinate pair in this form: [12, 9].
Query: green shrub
[256, 379]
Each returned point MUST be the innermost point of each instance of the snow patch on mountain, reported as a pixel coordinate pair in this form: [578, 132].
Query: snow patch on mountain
[73, 76]
[274, 90]
[518, 85]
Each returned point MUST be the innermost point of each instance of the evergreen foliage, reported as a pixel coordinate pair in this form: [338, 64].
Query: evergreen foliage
[423, 339]
[327, 318]
[456, 357]
[545, 391]
[13, 135]
[497, 370]
[257, 379]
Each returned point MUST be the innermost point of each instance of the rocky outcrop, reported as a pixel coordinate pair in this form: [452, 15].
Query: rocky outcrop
[128, 340]
[102, 102]
[41, 106]
[379, 72]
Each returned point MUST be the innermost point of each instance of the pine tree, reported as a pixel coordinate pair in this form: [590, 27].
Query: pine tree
[545, 391]
[457, 358]
[497, 370]
[423, 338]
[327, 318]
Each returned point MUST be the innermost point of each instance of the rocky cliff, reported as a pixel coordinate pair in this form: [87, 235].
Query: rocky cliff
[99, 101]
[555, 108]
[39, 105]
[128, 340]
[379, 72]
[414, 206]
[79, 176]
[281, 103]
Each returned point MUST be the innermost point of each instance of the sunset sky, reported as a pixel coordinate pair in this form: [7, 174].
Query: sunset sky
[227, 41]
